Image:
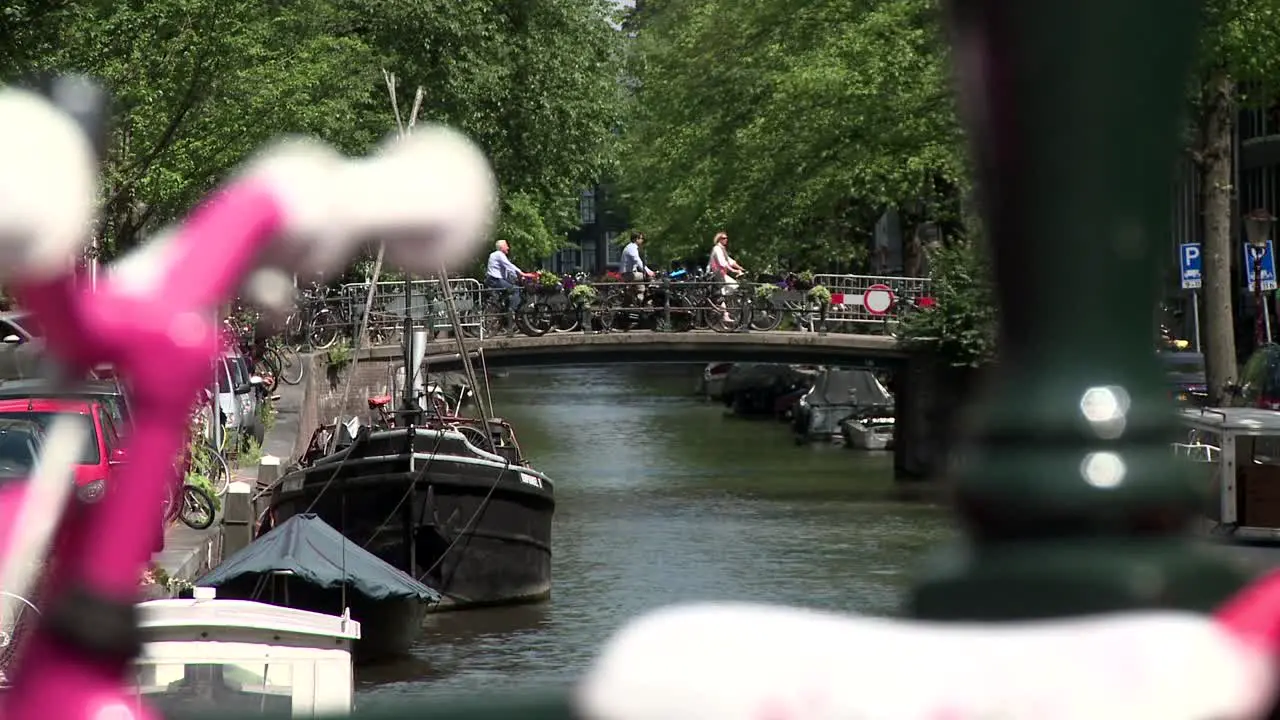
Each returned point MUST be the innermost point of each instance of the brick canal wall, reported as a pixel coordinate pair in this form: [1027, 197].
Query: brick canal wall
[372, 373]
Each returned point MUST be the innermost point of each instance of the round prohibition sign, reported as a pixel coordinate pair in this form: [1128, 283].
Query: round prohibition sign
[878, 299]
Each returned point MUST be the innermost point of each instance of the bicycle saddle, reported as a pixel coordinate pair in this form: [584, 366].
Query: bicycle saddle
[379, 401]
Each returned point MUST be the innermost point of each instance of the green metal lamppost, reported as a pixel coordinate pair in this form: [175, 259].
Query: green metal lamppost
[1068, 492]
[1257, 229]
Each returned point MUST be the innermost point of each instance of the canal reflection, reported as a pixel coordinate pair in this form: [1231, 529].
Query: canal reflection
[662, 499]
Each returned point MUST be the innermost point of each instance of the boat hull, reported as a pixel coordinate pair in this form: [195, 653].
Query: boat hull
[478, 533]
[861, 437]
[388, 628]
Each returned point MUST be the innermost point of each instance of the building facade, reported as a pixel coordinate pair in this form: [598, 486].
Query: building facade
[1256, 159]
[596, 246]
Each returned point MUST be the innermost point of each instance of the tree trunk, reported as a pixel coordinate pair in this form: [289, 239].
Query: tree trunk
[1217, 191]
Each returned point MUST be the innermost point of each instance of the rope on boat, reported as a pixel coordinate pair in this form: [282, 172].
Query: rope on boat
[484, 368]
[456, 325]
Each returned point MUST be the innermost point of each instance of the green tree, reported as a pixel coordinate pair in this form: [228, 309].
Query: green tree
[791, 127]
[537, 84]
[199, 85]
[1239, 64]
[961, 327]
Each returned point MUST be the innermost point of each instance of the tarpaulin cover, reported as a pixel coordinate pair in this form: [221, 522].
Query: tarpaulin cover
[314, 552]
[848, 387]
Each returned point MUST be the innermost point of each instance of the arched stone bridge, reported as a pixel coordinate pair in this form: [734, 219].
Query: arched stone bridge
[577, 348]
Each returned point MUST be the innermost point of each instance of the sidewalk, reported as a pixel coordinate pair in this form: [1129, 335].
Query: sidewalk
[189, 554]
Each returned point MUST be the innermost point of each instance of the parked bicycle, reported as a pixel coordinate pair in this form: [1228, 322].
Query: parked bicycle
[191, 505]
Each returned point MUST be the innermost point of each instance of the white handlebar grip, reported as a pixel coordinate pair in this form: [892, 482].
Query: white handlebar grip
[740, 662]
[48, 187]
[430, 195]
[305, 176]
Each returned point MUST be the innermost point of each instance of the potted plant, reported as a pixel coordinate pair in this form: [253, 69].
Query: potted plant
[548, 283]
[804, 280]
[765, 291]
[819, 295]
[583, 297]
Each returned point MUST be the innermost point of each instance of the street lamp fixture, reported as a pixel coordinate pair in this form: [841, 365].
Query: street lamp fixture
[1257, 229]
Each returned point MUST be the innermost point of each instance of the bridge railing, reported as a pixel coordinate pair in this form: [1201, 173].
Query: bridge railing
[859, 302]
[859, 306]
[387, 312]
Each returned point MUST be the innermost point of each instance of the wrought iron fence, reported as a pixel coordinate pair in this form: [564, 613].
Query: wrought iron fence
[861, 304]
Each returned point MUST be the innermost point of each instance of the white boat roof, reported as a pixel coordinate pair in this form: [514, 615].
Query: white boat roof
[158, 614]
[1233, 420]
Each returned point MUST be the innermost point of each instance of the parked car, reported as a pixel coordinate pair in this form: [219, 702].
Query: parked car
[18, 327]
[1186, 377]
[238, 398]
[103, 450]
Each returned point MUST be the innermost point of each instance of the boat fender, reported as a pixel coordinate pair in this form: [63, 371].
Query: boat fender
[747, 662]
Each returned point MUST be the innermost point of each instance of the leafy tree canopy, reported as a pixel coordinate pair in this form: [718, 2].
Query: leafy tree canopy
[198, 85]
[961, 326]
[791, 126]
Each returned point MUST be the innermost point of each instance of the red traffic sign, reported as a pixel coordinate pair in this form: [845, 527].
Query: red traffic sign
[878, 299]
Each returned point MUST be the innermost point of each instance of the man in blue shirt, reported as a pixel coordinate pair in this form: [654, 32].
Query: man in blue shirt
[501, 274]
[633, 268]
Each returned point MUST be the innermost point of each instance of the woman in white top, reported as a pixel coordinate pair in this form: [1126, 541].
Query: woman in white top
[723, 268]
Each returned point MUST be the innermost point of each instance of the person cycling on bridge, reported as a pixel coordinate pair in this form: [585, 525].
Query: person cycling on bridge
[722, 268]
[501, 274]
[633, 269]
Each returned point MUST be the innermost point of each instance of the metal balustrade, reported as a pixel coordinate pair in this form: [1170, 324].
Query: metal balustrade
[658, 305]
[849, 311]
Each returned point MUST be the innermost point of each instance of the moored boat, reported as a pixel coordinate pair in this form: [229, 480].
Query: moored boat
[205, 655]
[453, 504]
[304, 563]
[868, 431]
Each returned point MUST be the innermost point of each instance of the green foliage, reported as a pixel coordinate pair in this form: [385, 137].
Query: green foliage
[548, 280]
[791, 127]
[765, 291]
[339, 355]
[961, 327]
[583, 295]
[819, 295]
[203, 482]
[198, 85]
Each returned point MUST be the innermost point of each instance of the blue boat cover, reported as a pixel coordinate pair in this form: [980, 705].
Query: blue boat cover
[315, 553]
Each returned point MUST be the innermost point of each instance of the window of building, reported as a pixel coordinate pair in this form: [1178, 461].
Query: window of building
[613, 248]
[587, 207]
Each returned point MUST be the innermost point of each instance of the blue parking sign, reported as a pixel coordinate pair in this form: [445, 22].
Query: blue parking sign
[1268, 266]
[1190, 262]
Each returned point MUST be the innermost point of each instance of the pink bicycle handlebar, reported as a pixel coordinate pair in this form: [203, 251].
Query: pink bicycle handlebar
[301, 209]
[76, 669]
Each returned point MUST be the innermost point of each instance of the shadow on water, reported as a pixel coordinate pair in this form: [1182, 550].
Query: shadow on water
[662, 499]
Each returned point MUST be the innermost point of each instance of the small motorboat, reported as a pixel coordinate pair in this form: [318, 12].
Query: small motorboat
[869, 431]
[713, 377]
[304, 563]
[207, 655]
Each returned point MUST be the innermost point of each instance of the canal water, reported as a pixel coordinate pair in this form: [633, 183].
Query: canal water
[661, 498]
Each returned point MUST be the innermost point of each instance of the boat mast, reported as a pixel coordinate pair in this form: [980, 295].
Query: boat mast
[410, 409]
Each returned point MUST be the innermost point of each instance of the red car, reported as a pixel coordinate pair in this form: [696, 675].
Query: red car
[101, 454]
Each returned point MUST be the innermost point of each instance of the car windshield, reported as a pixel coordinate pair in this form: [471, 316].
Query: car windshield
[240, 371]
[19, 447]
[30, 323]
[1183, 363]
[224, 375]
[89, 454]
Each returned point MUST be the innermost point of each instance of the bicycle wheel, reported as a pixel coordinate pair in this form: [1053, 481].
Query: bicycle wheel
[214, 467]
[616, 313]
[765, 316]
[291, 366]
[325, 329]
[738, 314]
[198, 510]
[534, 319]
[494, 320]
[268, 368]
[682, 312]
